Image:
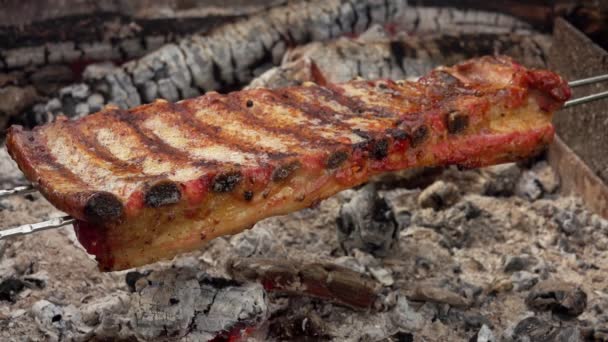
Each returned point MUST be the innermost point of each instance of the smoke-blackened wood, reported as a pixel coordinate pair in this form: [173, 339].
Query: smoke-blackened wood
[321, 280]
[85, 30]
[228, 56]
[397, 57]
[589, 16]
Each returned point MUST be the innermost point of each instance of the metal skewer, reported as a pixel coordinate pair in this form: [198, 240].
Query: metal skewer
[36, 227]
[589, 80]
[589, 98]
[586, 99]
[65, 220]
[18, 190]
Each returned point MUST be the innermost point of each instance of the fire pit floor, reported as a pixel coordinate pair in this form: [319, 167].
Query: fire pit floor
[503, 256]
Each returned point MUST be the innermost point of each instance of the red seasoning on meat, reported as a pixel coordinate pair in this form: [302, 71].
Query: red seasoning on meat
[161, 179]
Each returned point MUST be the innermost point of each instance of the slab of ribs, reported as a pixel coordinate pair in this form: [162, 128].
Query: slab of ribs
[160, 179]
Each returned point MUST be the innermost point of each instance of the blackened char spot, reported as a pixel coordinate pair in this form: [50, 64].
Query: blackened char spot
[380, 149]
[456, 122]
[398, 53]
[336, 159]
[102, 207]
[419, 135]
[284, 171]
[161, 194]
[248, 195]
[226, 182]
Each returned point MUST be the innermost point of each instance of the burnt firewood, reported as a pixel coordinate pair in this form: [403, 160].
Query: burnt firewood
[71, 31]
[563, 299]
[326, 281]
[229, 56]
[367, 223]
[396, 57]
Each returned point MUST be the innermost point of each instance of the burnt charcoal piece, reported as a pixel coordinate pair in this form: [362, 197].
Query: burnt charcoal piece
[402, 337]
[563, 299]
[309, 327]
[367, 223]
[226, 182]
[283, 172]
[9, 288]
[439, 195]
[537, 329]
[132, 277]
[456, 122]
[103, 206]
[336, 159]
[162, 194]
[326, 281]
[533, 329]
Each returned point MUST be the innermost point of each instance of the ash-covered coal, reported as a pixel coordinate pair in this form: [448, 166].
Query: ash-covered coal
[368, 223]
[174, 303]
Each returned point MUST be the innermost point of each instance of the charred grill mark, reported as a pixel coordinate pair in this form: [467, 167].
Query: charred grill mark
[248, 195]
[213, 133]
[303, 134]
[336, 159]
[456, 122]
[40, 153]
[162, 194]
[285, 171]
[103, 207]
[151, 141]
[96, 150]
[226, 182]
[356, 105]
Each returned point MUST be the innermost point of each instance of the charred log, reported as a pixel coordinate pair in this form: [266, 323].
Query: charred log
[224, 59]
[396, 57]
[41, 33]
[326, 281]
[368, 223]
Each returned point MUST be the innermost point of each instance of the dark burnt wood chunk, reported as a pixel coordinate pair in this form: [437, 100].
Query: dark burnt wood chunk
[103, 207]
[336, 159]
[161, 194]
[226, 182]
[456, 122]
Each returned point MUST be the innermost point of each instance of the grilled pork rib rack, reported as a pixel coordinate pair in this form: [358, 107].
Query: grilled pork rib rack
[148, 183]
